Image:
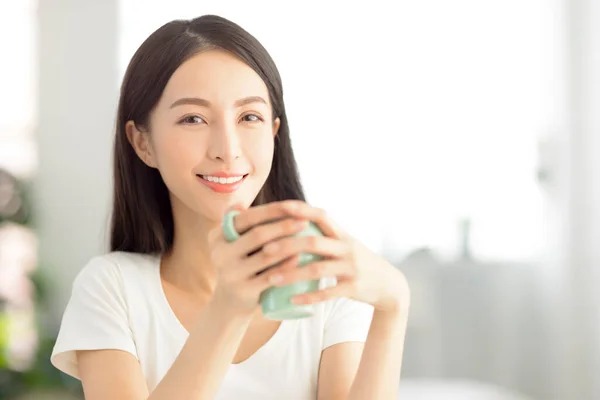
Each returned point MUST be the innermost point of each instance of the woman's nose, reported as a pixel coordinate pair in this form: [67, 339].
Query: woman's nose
[224, 142]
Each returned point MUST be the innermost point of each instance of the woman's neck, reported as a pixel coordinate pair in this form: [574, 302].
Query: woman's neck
[187, 265]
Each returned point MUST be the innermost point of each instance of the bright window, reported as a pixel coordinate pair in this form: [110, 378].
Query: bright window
[408, 117]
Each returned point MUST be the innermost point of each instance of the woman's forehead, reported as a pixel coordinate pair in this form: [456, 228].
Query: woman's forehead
[216, 76]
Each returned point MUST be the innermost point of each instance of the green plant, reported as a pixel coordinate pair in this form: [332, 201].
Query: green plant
[15, 209]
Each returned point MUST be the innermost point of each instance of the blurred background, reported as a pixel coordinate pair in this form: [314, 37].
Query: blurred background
[459, 139]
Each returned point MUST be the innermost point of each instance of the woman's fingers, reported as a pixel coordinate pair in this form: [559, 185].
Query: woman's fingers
[258, 236]
[320, 245]
[265, 213]
[276, 251]
[312, 271]
[270, 276]
[342, 289]
[320, 218]
[287, 208]
[268, 236]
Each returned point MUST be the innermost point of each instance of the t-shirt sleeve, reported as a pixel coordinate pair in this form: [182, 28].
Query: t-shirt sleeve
[95, 318]
[347, 321]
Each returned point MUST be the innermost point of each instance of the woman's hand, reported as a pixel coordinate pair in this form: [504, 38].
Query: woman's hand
[241, 264]
[361, 274]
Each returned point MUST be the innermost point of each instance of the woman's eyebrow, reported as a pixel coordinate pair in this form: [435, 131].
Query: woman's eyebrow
[205, 103]
[249, 100]
[191, 100]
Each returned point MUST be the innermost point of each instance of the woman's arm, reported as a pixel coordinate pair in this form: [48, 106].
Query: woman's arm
[365, 277]
[196, 373]
[200, 367]
[371, 371]
[378, 375]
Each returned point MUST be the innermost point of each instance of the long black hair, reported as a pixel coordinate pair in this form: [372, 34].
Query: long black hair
[142, 219]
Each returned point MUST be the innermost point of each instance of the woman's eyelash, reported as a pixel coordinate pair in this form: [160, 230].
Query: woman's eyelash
[192, 120]
[195, 119]
[255, 118]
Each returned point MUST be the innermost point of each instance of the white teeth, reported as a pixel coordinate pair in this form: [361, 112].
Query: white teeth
[222, 180]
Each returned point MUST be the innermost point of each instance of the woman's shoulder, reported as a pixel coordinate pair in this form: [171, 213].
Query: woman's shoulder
[342, 307]
[113, 270]
[98, 314]
[336, 321]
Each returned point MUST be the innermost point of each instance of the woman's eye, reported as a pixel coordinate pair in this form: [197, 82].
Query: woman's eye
[192, 120]
[251, 118]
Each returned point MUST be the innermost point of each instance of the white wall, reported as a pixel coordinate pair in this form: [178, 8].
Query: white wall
[584, 264]
[593, 112]
[78, 87]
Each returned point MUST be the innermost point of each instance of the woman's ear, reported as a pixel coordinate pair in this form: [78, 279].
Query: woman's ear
[140, 141]
[276, 124]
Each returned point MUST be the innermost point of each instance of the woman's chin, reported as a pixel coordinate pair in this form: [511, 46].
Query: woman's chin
[214, 213]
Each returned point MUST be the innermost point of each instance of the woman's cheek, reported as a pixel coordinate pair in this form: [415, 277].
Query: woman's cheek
[261, 151]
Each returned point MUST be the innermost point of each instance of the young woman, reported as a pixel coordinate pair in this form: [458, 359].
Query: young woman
[172, 312]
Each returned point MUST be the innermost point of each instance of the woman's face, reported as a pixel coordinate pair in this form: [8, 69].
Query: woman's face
[211, 135]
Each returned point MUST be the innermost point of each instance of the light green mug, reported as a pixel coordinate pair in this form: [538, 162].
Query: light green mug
[276, 301]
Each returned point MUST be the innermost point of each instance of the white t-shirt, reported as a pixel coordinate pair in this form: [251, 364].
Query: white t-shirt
[118, 302]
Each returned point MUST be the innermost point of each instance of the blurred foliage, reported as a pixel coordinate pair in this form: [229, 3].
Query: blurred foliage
[14, 200]
[15, 208]
[41, 376]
